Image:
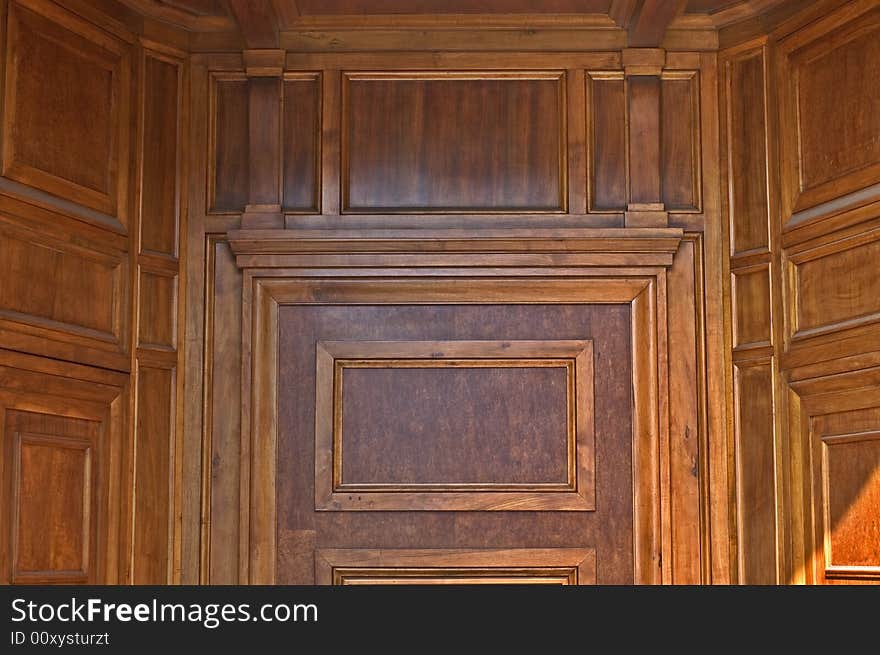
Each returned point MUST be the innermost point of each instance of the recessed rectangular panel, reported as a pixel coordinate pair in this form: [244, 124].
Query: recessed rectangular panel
[53, 487]
[60, 285]
[829, 108]
[751, 293]
[158, 312]
[837, 289]
[228, 166]
[544, 566]
[448, 141]
[755, 471]
[851, 494]
[680, 141]
[607, 114]
[154, 438]
[161, 115]
[301, 145]
[64, 131]
[747, 152]
[454, 425]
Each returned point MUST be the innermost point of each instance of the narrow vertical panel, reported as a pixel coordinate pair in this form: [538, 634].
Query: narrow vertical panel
[680, 142]
[755, 472]
[159, 192]
[608, 139]
[751, 299]
[158, 310]
[154, 430]
[300, 144]
[747, 153]
[223, 413]
[53, 489]
[684, 419]
[264, 143]
[229, 179]
[644, 139]
[53, 493]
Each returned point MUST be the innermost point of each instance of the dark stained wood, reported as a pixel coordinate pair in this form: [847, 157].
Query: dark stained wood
[153, 460]
[56, 478]
[302, 326]
[356, 7]
[644, 139]
[161, 155]
[423, 142]
[158, 306]
[301, 146]
[608, 189]
[62, 69]
[230, 140]
[264, 140]
[680, 142]
[257, 22]
[648, 24]
[517, 434]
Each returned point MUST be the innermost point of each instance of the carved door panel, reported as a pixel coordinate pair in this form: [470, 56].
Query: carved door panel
[428, 433]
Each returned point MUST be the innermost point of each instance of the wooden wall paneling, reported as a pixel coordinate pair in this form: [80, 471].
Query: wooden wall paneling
[445, 374]
[159, 497]
[687, 420]
[62, 442]
[448, 566]
[50, 258]
[222, 413]
[717, 478]
[577, 120]
[515, 165]
[228, 178]
[643, 114]
[756, 473]
[161, 143]
[681, 181]
[746, 125]
[829, 132]
[60, 68]
[264, 295]
[830, 284]
[608, 161]
[750, 296]
[301, 145]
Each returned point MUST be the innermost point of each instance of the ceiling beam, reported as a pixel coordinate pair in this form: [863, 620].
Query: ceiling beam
[650, 20]
[622, 11]
[257, 21]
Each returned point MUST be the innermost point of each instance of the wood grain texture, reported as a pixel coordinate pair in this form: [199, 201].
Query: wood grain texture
[154, 463]
[451, 566]
[643, 118]
[680, 141]
[229, 177]
[61, 495]
[608, 154]
[301, 145]
[454, 142]
[751, 301]
[56, 545]
[828, 115]
[756, 474]
[161, 153]
[158, 310]
[60, 69]
[449, 453]
[746, 125]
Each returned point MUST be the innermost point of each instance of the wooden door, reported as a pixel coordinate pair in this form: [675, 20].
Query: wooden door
[443, 431]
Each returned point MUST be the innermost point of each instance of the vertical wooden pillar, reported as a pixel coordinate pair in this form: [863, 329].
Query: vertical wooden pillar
[264, 69]
[643, 68]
